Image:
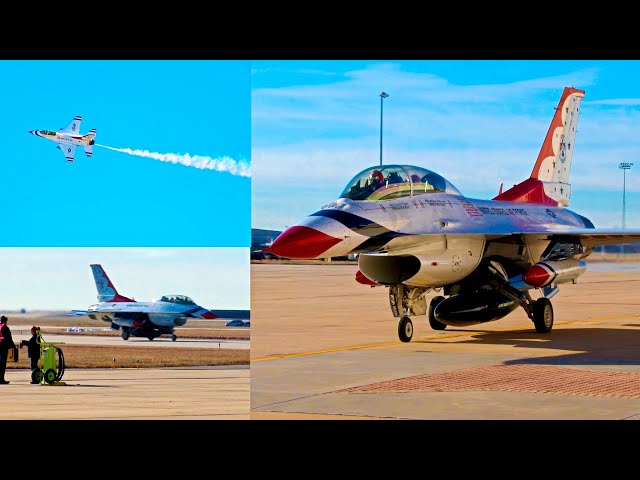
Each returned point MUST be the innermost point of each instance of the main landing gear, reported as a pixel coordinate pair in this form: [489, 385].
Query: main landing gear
[410, 301]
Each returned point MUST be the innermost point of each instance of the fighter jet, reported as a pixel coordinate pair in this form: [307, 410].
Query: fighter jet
[69, 137]
[140, 319]
[415, 233]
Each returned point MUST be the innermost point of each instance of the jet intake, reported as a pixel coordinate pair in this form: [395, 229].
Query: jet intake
[388, 269]
[462, 310]
[553, 272]
[360, 278]
[444, 267]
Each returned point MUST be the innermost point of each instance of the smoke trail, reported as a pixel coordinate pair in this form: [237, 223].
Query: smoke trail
[221, 164]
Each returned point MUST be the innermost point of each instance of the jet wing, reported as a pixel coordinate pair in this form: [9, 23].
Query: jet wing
[593, 237]
[76, 313]
[74, 126]
[68, 150]
[589, 237]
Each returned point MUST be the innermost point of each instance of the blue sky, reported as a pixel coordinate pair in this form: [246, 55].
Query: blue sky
[115, 199]
[60, 278]
[479, 123]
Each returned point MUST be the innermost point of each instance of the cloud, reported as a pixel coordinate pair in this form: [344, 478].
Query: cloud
[625, 102]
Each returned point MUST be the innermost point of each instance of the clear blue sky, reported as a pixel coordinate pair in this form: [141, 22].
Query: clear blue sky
[61, 279]
[114, 199]
[479, 123]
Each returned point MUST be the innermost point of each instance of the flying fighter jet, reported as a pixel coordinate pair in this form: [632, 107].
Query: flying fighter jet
[140, 319]
[414, 233]
[69, 137]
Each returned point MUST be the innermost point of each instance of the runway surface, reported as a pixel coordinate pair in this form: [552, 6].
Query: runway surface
[114, 341]
[203, 393]
[197, 393]
[326, 347]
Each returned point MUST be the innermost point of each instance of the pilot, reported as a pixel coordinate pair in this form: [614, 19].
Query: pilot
[393, 177]
[376, 180]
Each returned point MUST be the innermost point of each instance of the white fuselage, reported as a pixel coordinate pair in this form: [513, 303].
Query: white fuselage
[63, 137]
[427, 240]
[401, 223]
[162, 314]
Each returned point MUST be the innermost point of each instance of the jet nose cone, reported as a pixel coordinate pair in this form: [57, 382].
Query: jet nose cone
[32, 132]
[209, 315]
[302, 242]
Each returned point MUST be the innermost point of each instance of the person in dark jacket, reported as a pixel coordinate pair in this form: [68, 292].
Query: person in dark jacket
[33, 348]
[6, 343]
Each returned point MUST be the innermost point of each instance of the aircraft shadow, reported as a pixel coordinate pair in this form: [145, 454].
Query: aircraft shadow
[592, 346]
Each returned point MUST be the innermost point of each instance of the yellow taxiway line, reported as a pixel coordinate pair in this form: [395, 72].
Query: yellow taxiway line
[425, 339]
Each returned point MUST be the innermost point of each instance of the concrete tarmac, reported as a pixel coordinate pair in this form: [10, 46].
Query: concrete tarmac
[202, 393]
[326, 347]
[197, 393]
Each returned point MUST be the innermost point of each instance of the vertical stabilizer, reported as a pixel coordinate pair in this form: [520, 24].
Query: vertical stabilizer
[106, 291]
[549, 181]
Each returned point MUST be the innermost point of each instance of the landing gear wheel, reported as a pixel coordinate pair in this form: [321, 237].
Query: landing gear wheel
[125, 335]
[405, 329]
[435, 324]
[173, 338]
[543, 315]
[151, 337]
[50, 376]
[37, 375]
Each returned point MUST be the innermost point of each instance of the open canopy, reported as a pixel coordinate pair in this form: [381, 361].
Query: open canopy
[395, 181]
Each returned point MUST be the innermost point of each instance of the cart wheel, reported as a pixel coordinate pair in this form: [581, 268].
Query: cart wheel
[36, 376]
[50, 376]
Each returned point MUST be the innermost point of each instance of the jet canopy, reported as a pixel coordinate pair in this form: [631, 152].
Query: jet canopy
[395, 181]
[181, 299]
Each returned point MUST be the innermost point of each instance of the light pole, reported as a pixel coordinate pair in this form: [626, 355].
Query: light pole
[383, 95]
[624, 166]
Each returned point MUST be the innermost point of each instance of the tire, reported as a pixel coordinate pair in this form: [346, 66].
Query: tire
[435, 324]
[405, 329]
[543, 315]
[36, 375]
[125, 335]
[50, 376]
[173, 338]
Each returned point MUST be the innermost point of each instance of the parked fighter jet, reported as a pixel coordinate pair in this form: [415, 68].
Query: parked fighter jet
[416, 233]
[140, 319]
[69, 137]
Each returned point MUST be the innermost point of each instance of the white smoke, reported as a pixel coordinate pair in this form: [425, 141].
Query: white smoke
[220, 164]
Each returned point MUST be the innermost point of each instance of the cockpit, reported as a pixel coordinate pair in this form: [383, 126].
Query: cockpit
[395, 181]
[181, 299]
[47, 132]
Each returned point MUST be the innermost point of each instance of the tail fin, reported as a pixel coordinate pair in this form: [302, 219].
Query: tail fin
[106, 291]
[549, 180]
[88, 149]
[91, 135]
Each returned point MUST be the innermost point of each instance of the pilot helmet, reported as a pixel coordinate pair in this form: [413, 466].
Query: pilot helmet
[376, 177]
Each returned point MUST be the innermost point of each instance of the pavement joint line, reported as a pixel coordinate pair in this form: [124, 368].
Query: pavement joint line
[426, 339]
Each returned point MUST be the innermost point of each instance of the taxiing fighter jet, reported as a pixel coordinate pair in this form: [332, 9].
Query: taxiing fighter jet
[140, 319]
[414, 233]
[69, 137]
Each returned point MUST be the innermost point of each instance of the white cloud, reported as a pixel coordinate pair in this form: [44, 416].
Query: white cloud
[617, 102]
[61, 279]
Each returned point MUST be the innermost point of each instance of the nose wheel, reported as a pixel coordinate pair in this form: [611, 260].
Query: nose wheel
[405, 329]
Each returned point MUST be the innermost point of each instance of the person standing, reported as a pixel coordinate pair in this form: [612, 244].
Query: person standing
[33, 349]
[6, 343]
